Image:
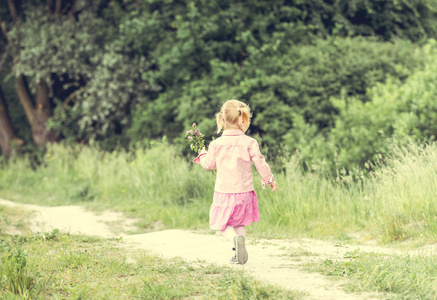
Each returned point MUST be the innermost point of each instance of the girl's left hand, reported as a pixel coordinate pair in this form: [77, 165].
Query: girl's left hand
[274, 186]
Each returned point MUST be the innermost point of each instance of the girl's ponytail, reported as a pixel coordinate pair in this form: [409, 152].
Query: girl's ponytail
[246, 113]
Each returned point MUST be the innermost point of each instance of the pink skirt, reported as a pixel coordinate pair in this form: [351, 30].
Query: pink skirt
[233, 209]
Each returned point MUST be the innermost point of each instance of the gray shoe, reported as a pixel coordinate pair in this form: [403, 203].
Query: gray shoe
[240, 248]
[234, 260]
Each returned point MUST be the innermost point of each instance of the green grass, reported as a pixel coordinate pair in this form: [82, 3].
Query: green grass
[13, 220]
[158, 186]
[396, 203]
[153, 184]
[402, 277]
[404, 195]
[57, 265]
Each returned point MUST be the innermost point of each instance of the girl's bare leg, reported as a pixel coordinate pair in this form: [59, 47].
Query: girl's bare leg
[229, 233]
[240, 230]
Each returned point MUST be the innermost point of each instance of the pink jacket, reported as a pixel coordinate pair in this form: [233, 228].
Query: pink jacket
[232, 154]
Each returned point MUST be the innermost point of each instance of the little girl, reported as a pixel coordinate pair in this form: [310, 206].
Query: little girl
[235, 203]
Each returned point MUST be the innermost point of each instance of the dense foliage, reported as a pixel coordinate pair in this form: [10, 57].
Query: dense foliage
[397, 113]
[122, 72]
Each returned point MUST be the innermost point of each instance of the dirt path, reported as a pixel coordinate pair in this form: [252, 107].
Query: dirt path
[278, 262]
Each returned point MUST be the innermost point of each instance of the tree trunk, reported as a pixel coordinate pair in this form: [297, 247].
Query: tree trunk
[58, 6]
[42, 113]
[36, 115]
[7, 134]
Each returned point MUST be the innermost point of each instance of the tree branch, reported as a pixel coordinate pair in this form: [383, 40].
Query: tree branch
[13, 10]
[2, 61]
[70, 98]
[5, 32]
[25, 99]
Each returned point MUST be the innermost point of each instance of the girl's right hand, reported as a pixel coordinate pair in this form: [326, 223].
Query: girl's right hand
[274, 186]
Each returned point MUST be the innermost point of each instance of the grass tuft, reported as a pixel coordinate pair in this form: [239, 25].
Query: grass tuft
[404, 277]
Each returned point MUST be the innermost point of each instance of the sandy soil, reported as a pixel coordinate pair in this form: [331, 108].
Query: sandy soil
[279, 262]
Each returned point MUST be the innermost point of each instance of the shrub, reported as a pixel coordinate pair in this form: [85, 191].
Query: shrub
[397, 112]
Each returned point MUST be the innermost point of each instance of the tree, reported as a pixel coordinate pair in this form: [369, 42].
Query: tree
[75, 80]
[285, 58]
[38, 109]
[8, 137]
[119, 70]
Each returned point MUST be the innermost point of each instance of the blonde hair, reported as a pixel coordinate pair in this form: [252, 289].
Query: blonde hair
[230, 114]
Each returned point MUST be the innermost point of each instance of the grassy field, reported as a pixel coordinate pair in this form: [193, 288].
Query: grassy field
[395, 204]
[156, 185]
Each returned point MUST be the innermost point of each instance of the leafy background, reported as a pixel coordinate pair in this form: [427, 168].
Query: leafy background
[333, 83]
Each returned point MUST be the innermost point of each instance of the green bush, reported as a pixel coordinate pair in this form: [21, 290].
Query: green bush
[397, 113]
[289, 93]
[285, 59]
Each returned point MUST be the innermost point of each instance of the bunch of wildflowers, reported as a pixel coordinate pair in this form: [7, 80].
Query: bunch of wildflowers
[195, 137]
